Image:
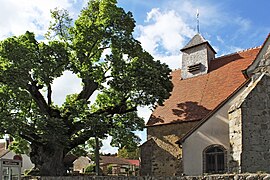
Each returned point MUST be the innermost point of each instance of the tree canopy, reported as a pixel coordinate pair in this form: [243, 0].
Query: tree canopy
[124, 78]
[133, 153]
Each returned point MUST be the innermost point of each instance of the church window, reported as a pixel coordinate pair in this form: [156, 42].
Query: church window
[214, 159]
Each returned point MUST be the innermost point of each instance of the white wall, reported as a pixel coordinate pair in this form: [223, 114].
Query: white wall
[214, 131]
[26, 162]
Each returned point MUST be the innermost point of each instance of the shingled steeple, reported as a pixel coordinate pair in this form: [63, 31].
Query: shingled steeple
[196, 57]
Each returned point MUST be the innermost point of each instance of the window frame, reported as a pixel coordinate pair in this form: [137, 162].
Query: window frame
[215, 155]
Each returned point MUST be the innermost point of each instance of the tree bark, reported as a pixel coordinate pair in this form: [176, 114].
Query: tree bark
[48, 159]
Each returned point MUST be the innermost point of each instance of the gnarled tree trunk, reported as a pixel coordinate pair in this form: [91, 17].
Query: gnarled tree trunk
[48, 159]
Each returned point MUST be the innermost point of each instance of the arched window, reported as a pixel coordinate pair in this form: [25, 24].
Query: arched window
[214, 157]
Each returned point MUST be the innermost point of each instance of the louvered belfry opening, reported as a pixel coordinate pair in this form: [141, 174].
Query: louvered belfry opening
[194, 68]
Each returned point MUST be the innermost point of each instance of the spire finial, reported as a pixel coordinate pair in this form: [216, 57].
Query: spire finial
[198, 22]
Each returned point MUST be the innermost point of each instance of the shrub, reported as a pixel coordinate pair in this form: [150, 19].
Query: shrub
[109, 169]
[90, 169]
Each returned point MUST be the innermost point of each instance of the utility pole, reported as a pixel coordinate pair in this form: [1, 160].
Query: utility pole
[97, 156]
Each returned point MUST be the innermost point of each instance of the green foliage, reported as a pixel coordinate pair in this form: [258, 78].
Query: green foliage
[90, 169]
[124, 79]
[87, 148]
[20, 146]
[26, 172]
[129, 153]
[109, 169]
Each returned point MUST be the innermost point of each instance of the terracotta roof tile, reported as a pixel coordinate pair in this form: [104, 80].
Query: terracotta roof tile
[117, 160]
[133, 162]
[192, 99]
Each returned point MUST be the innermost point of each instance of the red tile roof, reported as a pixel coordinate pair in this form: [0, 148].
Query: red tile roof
[192, 99]
[133, 162]
[117, 160]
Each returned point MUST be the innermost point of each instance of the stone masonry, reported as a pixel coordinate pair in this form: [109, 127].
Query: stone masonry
[161, 155]
[249, 122]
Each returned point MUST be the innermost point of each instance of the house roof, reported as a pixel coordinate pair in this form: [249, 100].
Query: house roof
[133, 162]
[3, 150]
[117, 160]
[69, 159]
[194, 98]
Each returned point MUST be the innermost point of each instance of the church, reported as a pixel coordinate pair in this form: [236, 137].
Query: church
[217, 119]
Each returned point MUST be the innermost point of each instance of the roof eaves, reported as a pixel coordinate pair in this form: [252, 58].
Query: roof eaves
[206, 42]
[174, 122]
[180, 141]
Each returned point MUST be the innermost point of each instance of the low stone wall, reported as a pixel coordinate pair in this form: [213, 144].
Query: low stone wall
[210, 177]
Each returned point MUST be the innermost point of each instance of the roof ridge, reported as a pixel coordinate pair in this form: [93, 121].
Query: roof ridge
[240, 51]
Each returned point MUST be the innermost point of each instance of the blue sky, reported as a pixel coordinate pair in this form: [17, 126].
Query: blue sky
[163, 27]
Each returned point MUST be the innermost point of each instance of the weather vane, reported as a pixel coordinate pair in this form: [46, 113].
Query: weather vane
[198, 22]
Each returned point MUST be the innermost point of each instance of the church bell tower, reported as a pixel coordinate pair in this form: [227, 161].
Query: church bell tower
[196, 57]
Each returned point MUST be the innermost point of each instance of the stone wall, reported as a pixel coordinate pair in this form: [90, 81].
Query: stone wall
[256, 128]
[235, 135]
[160, 155]
[209, 177]
[250, 130]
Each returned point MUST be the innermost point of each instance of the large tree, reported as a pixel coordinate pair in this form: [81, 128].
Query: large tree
[125, 78]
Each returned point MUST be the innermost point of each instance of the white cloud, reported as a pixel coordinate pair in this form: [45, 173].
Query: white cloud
[144, 112]
[163, 35]
[16, 17]
[233, 49]
[173, 61]
[107, 148]
[68, 83]
[220, 39]
[209, 13]
[243, 23]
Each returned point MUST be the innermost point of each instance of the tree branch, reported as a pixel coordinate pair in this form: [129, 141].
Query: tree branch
[91, 48]
[39, 99]
[30, 139]
[49, 95]
[121, 109]
[102, 48]
[88, 89]
[81, 139]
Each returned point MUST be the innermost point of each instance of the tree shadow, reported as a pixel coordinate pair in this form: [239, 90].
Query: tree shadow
[154, 120]
[190, 111]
